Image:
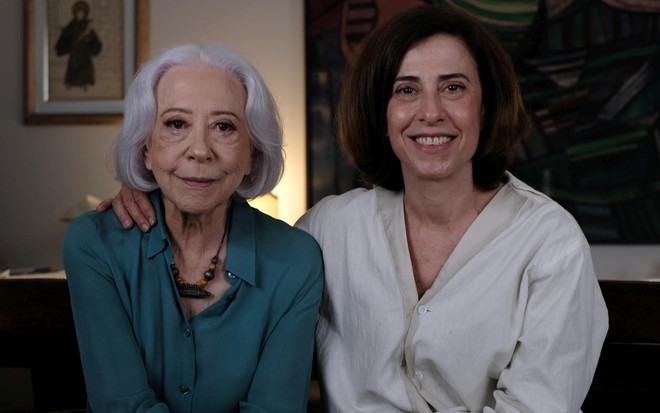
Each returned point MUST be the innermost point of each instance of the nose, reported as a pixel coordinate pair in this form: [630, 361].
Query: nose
[199, 148]
[431, 109]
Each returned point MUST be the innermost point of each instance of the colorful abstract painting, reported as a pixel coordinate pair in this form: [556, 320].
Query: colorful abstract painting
[589, 71]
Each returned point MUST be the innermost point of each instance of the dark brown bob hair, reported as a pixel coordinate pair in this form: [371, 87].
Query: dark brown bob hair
[367, 88]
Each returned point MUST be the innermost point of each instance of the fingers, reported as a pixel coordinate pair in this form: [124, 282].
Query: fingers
[121, 211]
[104, 205]
[117, 204]
[133, 207]
[145, 206]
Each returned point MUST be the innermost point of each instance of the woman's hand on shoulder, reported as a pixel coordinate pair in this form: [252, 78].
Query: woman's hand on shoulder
[131, 207]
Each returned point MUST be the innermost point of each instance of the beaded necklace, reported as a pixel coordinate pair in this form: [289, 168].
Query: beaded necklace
[197, 289]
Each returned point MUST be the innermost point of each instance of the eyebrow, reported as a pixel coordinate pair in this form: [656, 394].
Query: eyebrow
[441, 77]
[188, 112]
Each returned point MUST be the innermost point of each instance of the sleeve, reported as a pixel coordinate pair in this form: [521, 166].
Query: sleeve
[314, 220]
[305, 221]
[283, 374]
[93, 43]
[558, 348]
[63, 45]
[114, 372]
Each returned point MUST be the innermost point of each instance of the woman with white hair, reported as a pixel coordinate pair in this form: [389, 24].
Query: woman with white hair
[213, 309]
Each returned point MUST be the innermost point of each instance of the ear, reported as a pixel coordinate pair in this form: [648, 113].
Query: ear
[146, 156]
[248, 167]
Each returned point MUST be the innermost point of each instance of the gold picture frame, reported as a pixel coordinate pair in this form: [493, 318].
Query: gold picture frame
[80, 57]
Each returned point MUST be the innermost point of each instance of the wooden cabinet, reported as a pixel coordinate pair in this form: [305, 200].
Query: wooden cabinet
[628, 375]
[37, 332]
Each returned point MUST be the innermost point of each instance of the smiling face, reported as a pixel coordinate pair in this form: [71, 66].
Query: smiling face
[200, 149]
[434, 115]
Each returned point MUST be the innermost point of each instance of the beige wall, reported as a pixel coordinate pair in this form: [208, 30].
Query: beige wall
[44, 170]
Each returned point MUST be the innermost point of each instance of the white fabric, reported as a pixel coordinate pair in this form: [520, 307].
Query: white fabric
[514, 322]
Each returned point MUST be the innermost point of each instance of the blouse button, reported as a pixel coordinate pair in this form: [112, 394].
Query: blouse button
[187, 332]
[230, 275]
[419, 375]
[184, 389]
[422, 309]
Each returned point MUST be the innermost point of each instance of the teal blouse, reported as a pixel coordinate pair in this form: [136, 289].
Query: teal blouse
[251, 351]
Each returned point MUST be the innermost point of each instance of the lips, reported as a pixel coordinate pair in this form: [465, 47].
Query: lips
[432, 140]
[197, 182]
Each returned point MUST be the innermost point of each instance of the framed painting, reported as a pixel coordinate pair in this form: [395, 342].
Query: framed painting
[590, 76]
[80, 56]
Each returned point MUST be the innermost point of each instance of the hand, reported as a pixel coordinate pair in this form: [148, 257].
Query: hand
[131, 206]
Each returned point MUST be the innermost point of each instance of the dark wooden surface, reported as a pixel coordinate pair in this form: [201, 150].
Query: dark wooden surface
[627, 378]
[37, 332]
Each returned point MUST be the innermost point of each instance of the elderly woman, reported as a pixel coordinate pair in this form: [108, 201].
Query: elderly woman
[213, 309]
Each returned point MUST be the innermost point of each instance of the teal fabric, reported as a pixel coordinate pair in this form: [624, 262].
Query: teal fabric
[250, 352]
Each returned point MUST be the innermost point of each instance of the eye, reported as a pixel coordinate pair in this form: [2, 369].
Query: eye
[404, 90]
[175, 124]
[454, 91]
[224, 127]
[455, 88]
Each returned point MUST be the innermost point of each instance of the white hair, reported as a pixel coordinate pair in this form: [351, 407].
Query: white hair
[140, 116]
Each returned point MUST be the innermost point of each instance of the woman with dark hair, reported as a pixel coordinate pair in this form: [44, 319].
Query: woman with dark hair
[214, 309]
[362, 113]
[451, 286]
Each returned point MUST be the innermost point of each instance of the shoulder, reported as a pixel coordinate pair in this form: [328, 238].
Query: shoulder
[276, 231]
[96, 234]
[93, 225]
[549, 228]
[273, 240]
[541, 210]
[339, 209]
[96, 244]
[287, 259]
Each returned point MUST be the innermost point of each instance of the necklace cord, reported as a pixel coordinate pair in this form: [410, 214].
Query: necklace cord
[198, 289]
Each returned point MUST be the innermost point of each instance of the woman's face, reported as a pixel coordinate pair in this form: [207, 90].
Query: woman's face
[435, 113]
[200, 149]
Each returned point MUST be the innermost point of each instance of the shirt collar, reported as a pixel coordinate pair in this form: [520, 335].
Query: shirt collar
[241, 250]
[241, 247]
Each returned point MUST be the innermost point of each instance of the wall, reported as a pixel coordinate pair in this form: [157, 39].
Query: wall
[45, 170]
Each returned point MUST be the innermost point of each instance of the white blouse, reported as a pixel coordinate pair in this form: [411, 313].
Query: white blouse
[514, 322]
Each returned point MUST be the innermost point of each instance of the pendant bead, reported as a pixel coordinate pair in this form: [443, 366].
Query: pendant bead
[193, 291]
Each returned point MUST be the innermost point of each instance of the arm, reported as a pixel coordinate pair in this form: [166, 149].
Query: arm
[283, 375]
[114, 372]
[131, 206]
[63, 45]
[93, 43]
[558, 348]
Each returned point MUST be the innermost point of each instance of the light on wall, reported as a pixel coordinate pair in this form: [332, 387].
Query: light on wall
[268, 204]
